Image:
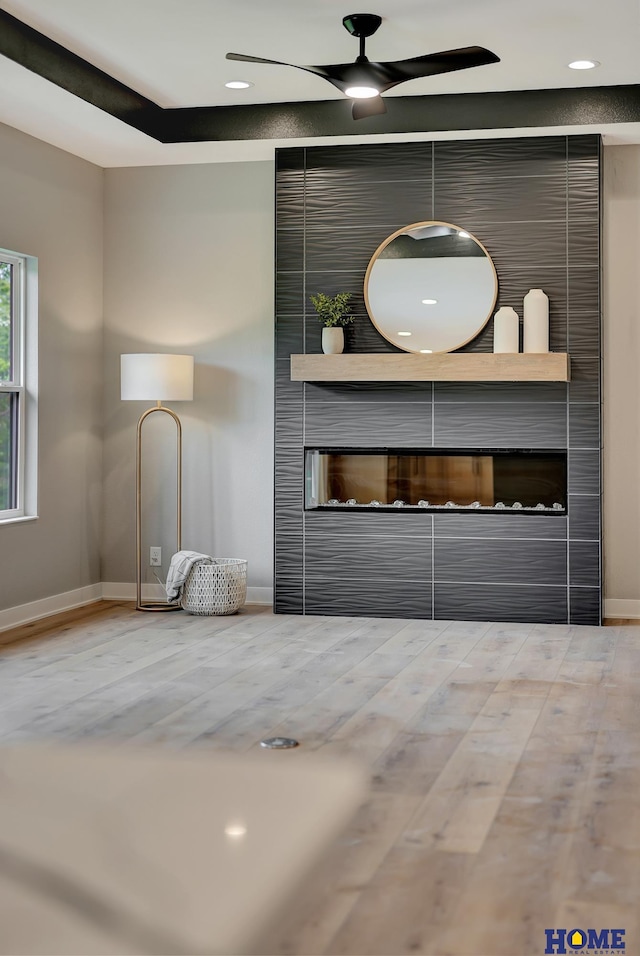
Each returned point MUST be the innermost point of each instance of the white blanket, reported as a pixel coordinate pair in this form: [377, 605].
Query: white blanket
[181, 564]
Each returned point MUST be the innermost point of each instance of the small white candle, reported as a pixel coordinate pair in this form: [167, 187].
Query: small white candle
[506, 330]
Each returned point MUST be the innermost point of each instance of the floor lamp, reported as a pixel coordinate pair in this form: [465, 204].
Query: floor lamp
[156, 377]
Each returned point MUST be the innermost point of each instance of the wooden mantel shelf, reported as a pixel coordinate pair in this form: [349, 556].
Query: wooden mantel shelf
[441, 367]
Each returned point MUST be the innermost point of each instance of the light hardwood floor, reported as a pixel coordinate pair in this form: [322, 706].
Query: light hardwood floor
[505, 758]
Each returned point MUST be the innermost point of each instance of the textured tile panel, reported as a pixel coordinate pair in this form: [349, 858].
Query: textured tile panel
[368, 392]
[584, 563]
[345, 248]
[379, 162]
[585, 378]
[470, 202]
[289, 255]
[481, 602]
[500, 526]
[583, 247]
[584, 517]
[500, 562]
[585, 606]
[584, 332]
[584, 426]
[290, 199]
[288, 515]
[289, 293]
[583, 290]
[371, 598]
[510, 244]
[350, 202]
[584, 201]
[337, 280]
[512, 392]
[289, 335]
[500, 425]
[288, 393]
[501, 158]
[289, 159]
[287, 596]
[402, 558]
[584, 150]
[584, 472]
[366, 523]
[289, 557]
[368, 424]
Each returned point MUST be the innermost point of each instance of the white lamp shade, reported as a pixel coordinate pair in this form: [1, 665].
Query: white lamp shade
[151, 377]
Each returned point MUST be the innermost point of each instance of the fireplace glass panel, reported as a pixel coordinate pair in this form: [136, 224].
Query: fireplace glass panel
[431, 480]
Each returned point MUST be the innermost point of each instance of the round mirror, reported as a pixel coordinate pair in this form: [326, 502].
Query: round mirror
[430, 287]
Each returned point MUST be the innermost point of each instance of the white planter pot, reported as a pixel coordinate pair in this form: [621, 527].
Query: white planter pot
[333, 340]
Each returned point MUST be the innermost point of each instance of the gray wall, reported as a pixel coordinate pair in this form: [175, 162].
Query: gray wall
[189, 268]
[535, 204]
[51, 207]
[621, 381]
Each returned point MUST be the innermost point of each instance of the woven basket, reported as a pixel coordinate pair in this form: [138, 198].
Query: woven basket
[219, 588]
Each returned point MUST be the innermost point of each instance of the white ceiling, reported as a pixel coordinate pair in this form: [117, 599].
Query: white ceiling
[173, 52]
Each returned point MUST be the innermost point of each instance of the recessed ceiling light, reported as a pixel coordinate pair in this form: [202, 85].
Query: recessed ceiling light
[583, 64]
[404, 333]
[362, 92]
[235, 830]
[427, 351]
[238, 85]
[429, 301]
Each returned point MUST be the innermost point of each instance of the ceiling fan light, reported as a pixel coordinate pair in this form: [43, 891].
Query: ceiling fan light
[362, 92]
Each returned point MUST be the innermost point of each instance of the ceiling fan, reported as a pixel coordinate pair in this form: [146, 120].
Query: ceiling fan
[364, 81]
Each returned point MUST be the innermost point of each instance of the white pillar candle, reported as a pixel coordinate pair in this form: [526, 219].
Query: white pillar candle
[536, 321]
[506, 330]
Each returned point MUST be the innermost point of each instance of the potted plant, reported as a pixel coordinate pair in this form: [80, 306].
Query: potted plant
[333, 312]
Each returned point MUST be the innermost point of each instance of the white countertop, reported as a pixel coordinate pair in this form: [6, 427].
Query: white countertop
[119, 851]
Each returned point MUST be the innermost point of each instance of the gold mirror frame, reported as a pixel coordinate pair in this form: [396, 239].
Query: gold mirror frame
[405, 230]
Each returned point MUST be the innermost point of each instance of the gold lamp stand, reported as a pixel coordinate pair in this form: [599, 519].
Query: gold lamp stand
[145, 376]
[156, 605]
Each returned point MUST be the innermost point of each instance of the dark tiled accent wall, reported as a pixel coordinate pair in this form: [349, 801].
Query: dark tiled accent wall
[535, 204]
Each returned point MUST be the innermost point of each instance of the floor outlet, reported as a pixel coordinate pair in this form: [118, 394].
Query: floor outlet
[155, 557]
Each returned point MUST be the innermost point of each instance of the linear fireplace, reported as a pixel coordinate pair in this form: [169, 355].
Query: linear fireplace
[414, 479]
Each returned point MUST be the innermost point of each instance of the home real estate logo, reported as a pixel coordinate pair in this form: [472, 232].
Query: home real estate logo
[594, 942]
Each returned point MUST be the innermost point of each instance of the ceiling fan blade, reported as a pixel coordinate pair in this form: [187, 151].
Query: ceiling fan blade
[244, 58]
[435, 63]
[371, 107]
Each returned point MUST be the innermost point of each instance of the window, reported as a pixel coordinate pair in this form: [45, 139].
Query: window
[17, 277]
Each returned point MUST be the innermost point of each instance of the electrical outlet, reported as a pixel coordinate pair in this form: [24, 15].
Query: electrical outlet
[155, 557]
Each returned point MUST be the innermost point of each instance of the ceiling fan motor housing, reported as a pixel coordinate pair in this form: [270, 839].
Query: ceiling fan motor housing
[362, 24]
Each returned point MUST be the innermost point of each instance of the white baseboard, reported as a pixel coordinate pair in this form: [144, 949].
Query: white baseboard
[26, 613]
[259, 595]
[121, 591]
[621, 607]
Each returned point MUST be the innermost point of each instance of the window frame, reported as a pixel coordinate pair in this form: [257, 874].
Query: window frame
[22, 385]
